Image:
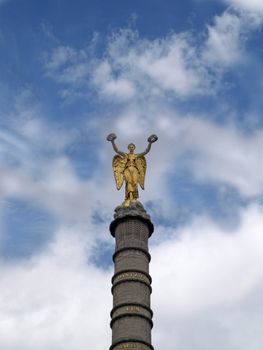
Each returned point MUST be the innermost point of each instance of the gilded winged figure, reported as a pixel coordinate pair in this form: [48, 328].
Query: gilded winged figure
[130, 168]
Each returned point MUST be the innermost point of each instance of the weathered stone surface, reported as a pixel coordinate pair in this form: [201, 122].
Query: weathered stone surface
[135, 209]
[131, 292]
[131, 327]
[131, 259]
[131, 233]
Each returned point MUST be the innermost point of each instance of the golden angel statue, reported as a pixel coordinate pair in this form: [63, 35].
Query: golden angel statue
[131, 168]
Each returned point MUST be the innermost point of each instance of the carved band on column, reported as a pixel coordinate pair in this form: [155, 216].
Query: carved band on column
[131, 344]
[130, 248]
[135, 306]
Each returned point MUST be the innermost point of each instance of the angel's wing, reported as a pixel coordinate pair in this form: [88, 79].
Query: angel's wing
[118, 164]
[141, 165]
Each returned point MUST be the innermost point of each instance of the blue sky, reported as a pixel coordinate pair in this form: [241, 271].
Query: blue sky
[72, 72]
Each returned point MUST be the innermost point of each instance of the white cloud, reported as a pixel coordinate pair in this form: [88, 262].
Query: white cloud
[34, 165]
[255, 6]
[207, 286]
[102, 78]
[59, 190]
[61, 55]
[168, 64]
[224, 154]
[57, 300]
[224, 43]
[136, 68]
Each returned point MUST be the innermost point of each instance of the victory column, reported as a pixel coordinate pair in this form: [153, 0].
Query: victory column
[131, 316]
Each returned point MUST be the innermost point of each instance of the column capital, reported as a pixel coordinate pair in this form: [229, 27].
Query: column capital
[135, 211]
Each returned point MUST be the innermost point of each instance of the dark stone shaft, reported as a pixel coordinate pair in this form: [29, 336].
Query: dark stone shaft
[131, 314]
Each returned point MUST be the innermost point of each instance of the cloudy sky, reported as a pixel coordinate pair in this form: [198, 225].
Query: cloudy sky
[72, 72]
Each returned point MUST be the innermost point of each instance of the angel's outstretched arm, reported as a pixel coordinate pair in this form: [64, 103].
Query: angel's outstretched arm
[146, 151]
[151, 140]
[111, 138]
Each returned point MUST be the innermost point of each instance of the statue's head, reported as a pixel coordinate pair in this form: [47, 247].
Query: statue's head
[131, 147]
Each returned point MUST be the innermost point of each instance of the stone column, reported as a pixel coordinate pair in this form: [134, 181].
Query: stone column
[131, 316]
